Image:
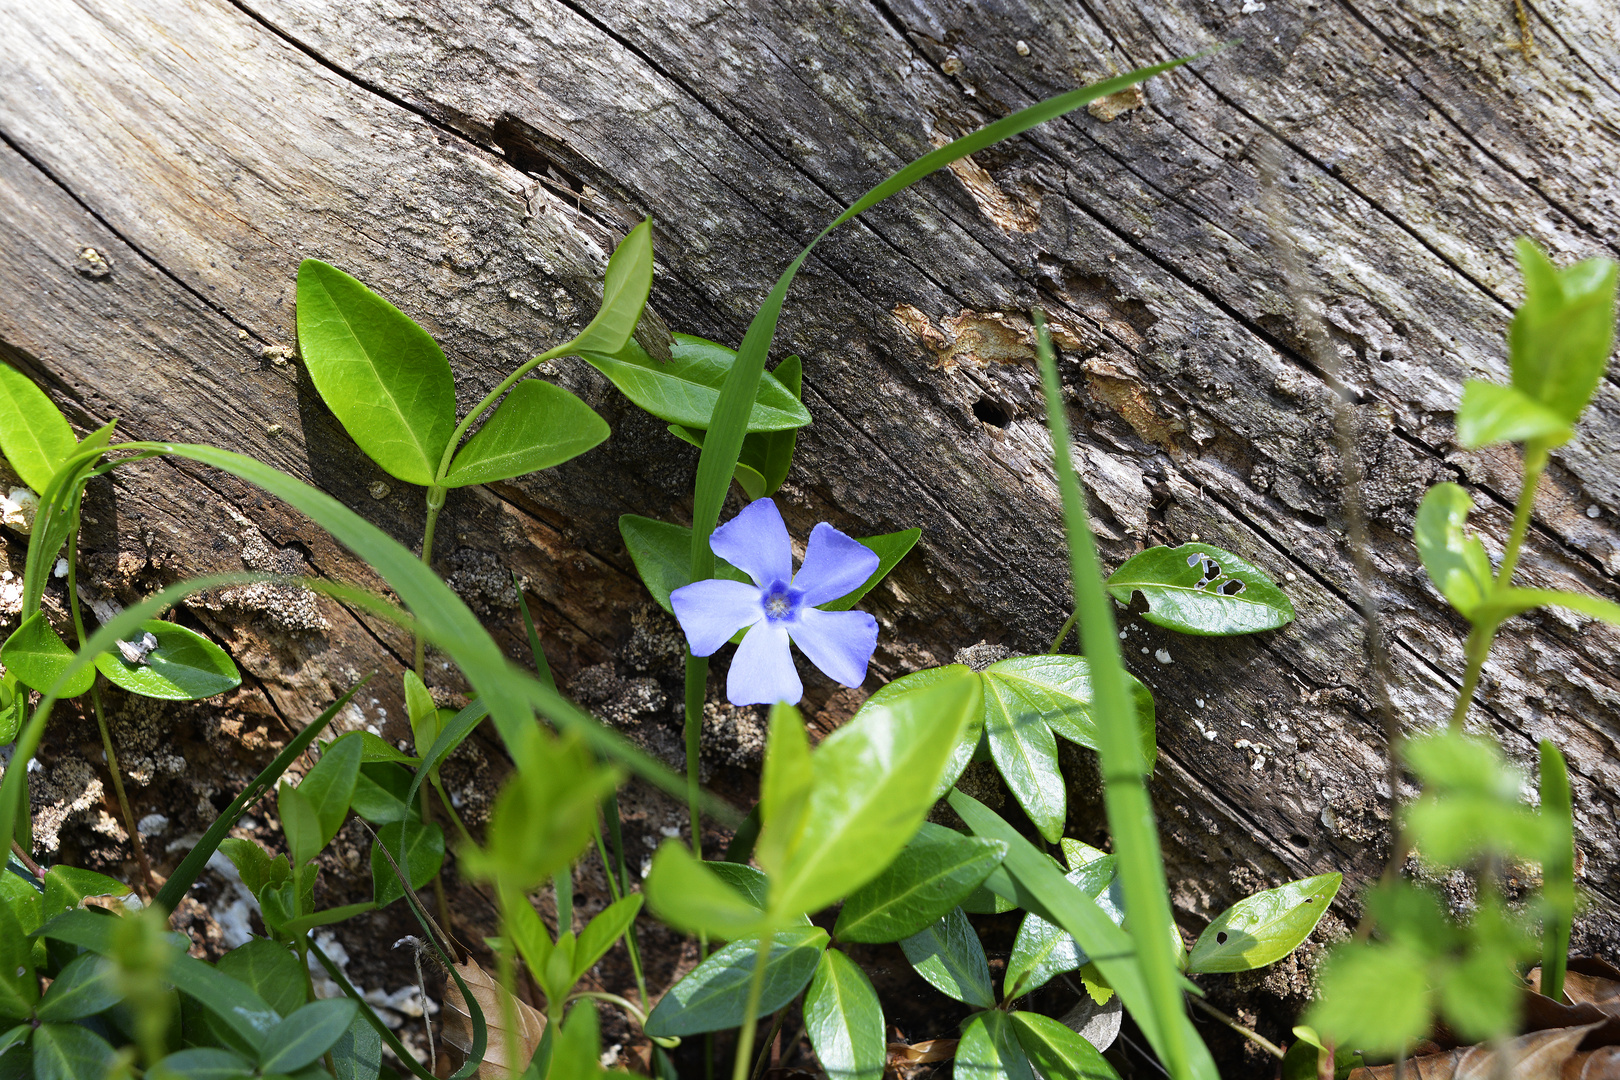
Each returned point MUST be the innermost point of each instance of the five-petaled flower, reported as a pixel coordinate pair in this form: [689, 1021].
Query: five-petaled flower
[780, 606]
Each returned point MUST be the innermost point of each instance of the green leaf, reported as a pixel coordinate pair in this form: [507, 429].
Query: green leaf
[683, 893]
[890, 548]
[12, 700]
[15, 1037]
[536, 426]
[38, 657]
[19, 989]
[748, 881]
[34, 435]
[330, 784]
[1562, 335]
[379, 794]
[373, 749]
[22, 900]
[714, 995]
[1263, 928]
[1301, 1060]
[784, 789]
[1058, 690]
[83, 988]
[254, 865]
[625, 285]
[845, 1020]
[1041, 951]
[70, 1052]
[989, 1050]
[272, 971]
[1240, 600]
[926, 880]
[67, 886]
[771, 453]
[948, 954]
[750, 479]
[1456, 562]
[661, 552]
[202, 1063]
[424, 855]
[1505, 603]
[384, 377]
[185, 666]
[306, 1035]
[1557, 868]
[422, 713]
[1057, 1051]
[602, 932]
[684, 389]
[1470, 803]
[1025, 753]
[874, 781]
[1492, 413]
[357, 1055]
[919, 682]
[301, 824]
[1374, 997]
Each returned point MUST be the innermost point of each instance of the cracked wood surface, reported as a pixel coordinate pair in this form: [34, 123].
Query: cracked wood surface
[475, 162]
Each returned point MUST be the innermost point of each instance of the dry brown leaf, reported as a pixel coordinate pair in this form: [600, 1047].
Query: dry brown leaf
[920, 1053]
[1540, 1055]
[487, 992]
[1593, 990]
[1601, 1064]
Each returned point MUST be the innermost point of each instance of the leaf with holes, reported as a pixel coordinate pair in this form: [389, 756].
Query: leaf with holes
[183, 666]
[1265, 927]
[1201, 589]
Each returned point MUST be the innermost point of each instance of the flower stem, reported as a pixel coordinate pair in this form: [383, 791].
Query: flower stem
[1063, 634]
[756, 989]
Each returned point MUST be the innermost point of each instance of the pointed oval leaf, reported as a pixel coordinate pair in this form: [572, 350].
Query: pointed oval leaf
[1025, 753]
[714, 995]
[300, 823]
[948, 954]
[1183, 596]
[307, 1034]
[424, 855]
[1456, 562]
[383, 376]
[83, 988]
[683, 893]
[358, 1054]
[845, 1020]
[70, 1052]
[600, 934]
[19, 988]
[625, 285]
[202, 1063]
[1490, 413]
[684, 389]
[329, 786]
[38, 657]
[1042, 951]
[1264, 928]
[1561, 336]
[1057, 1051]
[989, 1050]
[185, 666]
[930, 877]
[272, 971]
[67, 886]
[1058, 689]
[536, 426]
[34, 435]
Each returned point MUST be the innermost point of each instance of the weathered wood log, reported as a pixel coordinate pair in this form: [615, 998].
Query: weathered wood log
[474, 163]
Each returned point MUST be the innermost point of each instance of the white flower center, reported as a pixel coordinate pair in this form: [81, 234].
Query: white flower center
[777, 606]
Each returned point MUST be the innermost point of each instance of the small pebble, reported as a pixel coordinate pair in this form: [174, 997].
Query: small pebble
[1290, 576]
[1200, 702]
[1121, 633]
[61, 568]
[1594, 511]
[151, 824]
[378, 490]
[273, 429]
[1023, 48]
[1163, 656]
[952, 66]
[1193, 538]
[1144, 650]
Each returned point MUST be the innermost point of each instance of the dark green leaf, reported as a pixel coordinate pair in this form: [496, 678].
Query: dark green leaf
[684, 389]
[661, 552]
[1456, 561]
[714, 995]
[70, 1052]
[424, 855]
[538, 425]
[379, 794]
[19, 988]
[185, 666]
[1241, 600]
[684, 894]
[300, 823]
[357, 1055]
[948, 954]
[38, 657]
[750, 479]
[1491, 413]
[272, 971]
[926, 880]
[34, 435]
[202, 1063]
[330, 784]
[625, 285]
[1025, 753]
[1301, 1060]
[67, 886]
[1562, 335]
[15, 1037]
[19, 897]
[602, 932]
[1374, 997]
[1058, 690]
[1264, 928]
[83, 988]
[1057, 1051]
[890, 549]
[306, 1035]
[845, 1020]
[254, 865]
[989, 1050]
[771, 453]
[384, 377]
[1041, 951]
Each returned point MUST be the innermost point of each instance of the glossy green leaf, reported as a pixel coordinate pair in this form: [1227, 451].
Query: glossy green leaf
[890, 548]
[926, 880]
[13, 698]
[1561, 336]
[751, 883]
[305, 1035]
[420, 710]
[603, 932]
[23, 901]
[1025, 752]
[750, 479]
[271, 970]
[1057, 1051]
[684, 389]
[948, 954]
[83, 988]
[625, 285]
[784, 790]
[682, 892]
[70, 1052]
[714, 995]
[423, 845]
[845, 1020]
[38, 657]
[14, 1037]
[300, 823]
[1042, 951]
[1302, 1059]
[185, 666]
[1263, 928]
[919, 682]
[989, 1050]
[19, 988]
[1240, 600]
[67, 886]
[383, 376]
[536, 426]
[330, 784]
[202, 1063]
[1057, 689]
[1456, 561]
[1492, 413]
[1374, 996]
[34, 435]
[661, 552]
[874, 781]
[374, 748]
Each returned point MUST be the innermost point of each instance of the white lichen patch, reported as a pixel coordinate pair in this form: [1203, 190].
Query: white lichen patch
[66, 791]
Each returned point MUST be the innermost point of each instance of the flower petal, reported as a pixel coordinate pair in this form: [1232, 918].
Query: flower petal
[834, 565]
[711, 611]
[762, 672]
[840, 643]
[756, 542]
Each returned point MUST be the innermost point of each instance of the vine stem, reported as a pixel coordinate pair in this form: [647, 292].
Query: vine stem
[1248, 1033]
[27, 860]
[756, 989]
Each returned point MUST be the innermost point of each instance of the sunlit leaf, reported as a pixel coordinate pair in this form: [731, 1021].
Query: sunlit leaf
[1263, 928]
[926, 880]
[625, 285]
[1057, 1051]
[330, 784]
[1041, 951]
[1490, 413]
[683, 390]
[784, 790]
[845, 1020]
[683, 893]
[1562, 335]
[989, 1050]
[34, 654]
[185, 666]
[34, 435]
[1374, 997]
[536, 426]
[714, 995]
[602, 932]
[1058, 690]
[1201, 589]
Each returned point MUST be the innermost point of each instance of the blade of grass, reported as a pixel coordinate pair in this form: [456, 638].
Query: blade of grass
[1557, 869]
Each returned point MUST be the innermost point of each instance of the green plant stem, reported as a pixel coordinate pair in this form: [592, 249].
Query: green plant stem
[1248, 1033]
[1475, 651]
[1557, 869]
[449, 807]
[756, 989]
[101, 718]
[697, 680]
[765, 1044]
[1063, 634]
[508, 979]
[619, 891]
[435, 503]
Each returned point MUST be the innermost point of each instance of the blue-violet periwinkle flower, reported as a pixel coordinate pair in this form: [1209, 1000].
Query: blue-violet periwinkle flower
[780, 606]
